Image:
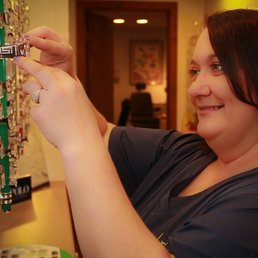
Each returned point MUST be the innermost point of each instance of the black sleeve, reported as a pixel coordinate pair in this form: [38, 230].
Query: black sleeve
[135, 150]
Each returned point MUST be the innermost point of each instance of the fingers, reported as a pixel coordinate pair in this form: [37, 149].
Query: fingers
[43, 74]
[49, 46]
[47, 77]
[55, 51]
[46, 39]
[31, 86]
[45, 32]
[34, 89]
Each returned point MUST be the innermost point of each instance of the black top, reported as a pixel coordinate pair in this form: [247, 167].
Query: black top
[156, 165]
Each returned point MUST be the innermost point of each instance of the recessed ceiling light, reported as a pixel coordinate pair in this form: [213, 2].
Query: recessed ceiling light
[142, 21]
[119, 21]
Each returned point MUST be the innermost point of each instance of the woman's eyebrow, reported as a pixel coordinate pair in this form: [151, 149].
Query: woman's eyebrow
[192, 62]
[212, 57]
[208, 59]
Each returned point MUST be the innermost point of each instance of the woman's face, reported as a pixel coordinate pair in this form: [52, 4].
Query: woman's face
[219, 111]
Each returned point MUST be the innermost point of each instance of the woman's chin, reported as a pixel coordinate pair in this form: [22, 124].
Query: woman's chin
[207, 132]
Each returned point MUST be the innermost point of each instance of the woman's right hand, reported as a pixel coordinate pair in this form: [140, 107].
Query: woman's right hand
[55, 51]
[64, 113]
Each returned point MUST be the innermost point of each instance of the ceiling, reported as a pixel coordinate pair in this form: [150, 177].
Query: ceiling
[156, 19]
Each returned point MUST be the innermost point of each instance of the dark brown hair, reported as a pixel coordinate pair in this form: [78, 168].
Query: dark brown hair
[234, 39]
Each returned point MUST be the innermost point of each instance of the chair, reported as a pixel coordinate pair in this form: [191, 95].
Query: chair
[142, 112]
[125, 112]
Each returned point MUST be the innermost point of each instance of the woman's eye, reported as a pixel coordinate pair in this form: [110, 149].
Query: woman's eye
[217, 67]
[193, 72]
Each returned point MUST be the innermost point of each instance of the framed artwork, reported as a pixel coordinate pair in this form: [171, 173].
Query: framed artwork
[146, 62]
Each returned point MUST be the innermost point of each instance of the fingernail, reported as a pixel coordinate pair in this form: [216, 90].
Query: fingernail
[17, 58]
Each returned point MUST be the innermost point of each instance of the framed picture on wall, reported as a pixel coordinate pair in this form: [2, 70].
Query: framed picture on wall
[146, 61]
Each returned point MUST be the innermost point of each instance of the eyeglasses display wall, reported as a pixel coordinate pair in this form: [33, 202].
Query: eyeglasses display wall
[14, 104]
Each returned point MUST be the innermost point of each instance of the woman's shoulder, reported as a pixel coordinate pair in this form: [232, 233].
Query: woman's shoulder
[165, 135]
[160, 142]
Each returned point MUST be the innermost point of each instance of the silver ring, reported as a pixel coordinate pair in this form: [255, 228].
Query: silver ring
[35, 96]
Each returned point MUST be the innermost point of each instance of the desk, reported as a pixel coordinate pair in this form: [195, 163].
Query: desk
[43, 220]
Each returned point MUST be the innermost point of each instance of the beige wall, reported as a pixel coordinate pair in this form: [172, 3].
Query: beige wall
[56, 15]
[60, 14]
[192, 9]
[213, 5]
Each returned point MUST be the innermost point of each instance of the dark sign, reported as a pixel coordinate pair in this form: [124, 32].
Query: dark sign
[22, 191]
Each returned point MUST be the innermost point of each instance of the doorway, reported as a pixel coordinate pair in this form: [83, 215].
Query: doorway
[85, 69]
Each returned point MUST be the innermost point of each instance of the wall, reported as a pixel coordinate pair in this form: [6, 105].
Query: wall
[62, 20]
[213, 5]
[56, 15]
[60, 14]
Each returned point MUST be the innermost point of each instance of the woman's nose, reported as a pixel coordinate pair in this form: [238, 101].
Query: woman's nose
[200, 85]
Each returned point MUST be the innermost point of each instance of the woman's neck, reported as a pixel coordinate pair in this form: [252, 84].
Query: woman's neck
[238, 156]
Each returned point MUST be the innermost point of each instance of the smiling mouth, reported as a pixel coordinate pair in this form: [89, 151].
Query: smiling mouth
[207, 109]
[210, 108]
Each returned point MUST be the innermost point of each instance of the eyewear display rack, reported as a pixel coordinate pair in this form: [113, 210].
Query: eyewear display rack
[14, 105]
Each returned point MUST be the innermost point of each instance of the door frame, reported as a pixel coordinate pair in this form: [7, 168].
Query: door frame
[171, 12]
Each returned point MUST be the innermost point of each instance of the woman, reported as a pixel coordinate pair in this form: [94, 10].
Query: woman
[157, 193]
